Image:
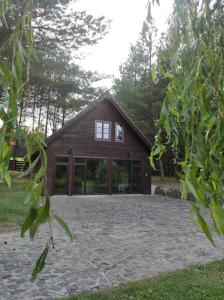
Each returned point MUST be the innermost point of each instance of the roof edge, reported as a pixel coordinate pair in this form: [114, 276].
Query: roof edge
[112, 100]
[131, 123]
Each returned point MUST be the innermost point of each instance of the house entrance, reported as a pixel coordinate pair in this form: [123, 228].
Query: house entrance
[61, 175]
[90, 176]
[127, 176]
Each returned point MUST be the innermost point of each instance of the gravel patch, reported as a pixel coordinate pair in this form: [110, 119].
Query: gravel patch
[119, 238]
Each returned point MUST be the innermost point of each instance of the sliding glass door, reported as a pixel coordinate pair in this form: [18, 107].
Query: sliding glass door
[61, 175]
[79, 179]
[90, 176]
[121, 176]
[136, 177]
[126, 176]
[96, 176]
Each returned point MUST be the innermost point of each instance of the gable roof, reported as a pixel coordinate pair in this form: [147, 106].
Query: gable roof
[105, 97]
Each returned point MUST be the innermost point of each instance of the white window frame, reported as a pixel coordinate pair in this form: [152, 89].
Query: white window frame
[119, 124]
[102, 138]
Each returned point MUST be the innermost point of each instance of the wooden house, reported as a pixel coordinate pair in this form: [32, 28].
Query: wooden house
[99, 151]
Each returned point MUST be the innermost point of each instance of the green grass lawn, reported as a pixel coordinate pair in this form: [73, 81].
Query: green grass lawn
[194, 283]
[12, 207]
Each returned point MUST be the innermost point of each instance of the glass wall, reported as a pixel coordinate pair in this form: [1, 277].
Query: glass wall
[96, 177]
[126, 176]
[61, 175]
[90, 176]
[79, 179]
[136, 177]
[121, 176]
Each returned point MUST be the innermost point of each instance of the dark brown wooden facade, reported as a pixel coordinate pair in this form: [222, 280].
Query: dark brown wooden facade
[76, 141]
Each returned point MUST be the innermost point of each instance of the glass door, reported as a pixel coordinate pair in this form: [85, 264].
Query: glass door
[126, 176]
[136, 177]
[90, 176]
[121, 176]
[96, 176]
[61, 175]
[80, 176]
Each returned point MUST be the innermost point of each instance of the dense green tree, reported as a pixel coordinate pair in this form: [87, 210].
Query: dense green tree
[57, 85]
[56, 27]
[21, 87]
[57, 90]
[141, 88]
[193, 111]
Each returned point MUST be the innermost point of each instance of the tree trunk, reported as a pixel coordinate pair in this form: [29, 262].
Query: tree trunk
[63, 117]
[34, 109]
[39, 117]
[21, 111]
[40, 108]
[55, 120]
[161, 170]
[47, 115]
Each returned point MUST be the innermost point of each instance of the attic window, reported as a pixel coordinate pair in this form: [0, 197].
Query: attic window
[102, 130]
[119, 132]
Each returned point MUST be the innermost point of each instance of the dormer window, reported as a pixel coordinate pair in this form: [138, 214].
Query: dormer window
[103, 130]
[119, 132]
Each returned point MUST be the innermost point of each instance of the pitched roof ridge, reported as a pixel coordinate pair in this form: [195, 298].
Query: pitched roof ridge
[105, 96]
[128, 119]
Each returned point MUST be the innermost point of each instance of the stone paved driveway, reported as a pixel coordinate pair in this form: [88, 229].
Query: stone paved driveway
[118, 239]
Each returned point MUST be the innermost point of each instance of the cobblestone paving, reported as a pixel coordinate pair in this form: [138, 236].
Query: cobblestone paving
[118, 239]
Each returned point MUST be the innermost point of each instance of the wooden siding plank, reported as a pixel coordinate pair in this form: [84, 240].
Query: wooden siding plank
[80, 140]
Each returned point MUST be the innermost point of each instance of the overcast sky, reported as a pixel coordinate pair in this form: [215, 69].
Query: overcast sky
[127, 17]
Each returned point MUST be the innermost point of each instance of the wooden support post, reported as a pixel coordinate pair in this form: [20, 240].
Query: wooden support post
[109, 176]
[50, 173]
[146, 177]
[70, 174]
[149, 177]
